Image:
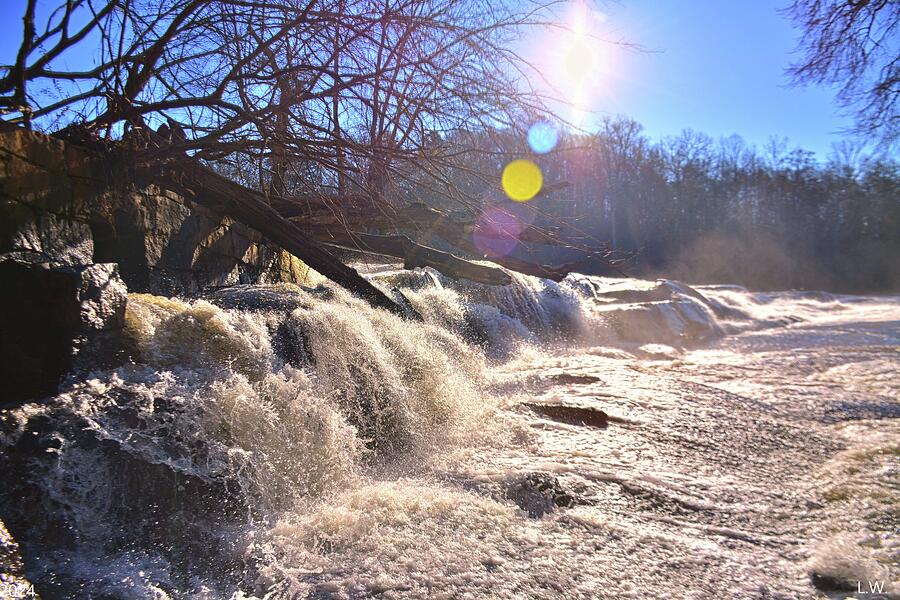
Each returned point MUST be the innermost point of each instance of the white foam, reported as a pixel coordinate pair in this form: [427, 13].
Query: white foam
[350, 448]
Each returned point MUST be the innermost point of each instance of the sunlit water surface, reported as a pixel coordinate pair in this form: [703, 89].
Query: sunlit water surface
[753, 440]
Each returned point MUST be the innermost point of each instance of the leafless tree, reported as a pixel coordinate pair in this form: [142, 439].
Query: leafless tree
[352, 85]
[354, 90]
[854, 45]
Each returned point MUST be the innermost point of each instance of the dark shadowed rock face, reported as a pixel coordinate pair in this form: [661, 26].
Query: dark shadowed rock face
[76, 234]
[47, 316]
[61, 205]
[44, 238]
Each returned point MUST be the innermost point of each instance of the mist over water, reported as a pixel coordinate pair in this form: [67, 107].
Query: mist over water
[283, 442]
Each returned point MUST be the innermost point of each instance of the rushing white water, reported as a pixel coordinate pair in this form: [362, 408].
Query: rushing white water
[279, 442]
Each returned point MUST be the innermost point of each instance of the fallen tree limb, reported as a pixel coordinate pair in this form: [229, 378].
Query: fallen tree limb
[310, 222]
[334, 221]
[205, 187]
[416, 255]
[551, 272]
[329, 212]
[460, 236]
[251, 208]
[430, 222]
[344, 239]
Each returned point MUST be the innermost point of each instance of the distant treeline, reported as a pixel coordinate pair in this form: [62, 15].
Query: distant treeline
[709, 210]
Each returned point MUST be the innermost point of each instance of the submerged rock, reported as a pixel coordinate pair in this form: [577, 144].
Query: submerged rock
[568, 378]
[539, 494]
[573, 415]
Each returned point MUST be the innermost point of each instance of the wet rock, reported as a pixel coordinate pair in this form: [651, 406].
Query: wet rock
[657, 293]
[101, 296]
[664, 311]
[13, 581]
[828, 583]
[664, 290]
[569, 379]
[47, 315]
[261, 298]
[136, 495]
[539, 494]
[572, 415]
[675, 322]
[291, 344]
[408, 309]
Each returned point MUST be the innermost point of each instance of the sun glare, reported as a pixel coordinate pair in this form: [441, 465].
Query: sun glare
[575, 62]
[579, 60]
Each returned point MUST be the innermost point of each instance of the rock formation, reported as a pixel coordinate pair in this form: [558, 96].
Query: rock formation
[74, 241]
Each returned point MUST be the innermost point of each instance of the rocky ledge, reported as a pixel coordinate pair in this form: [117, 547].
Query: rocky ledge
[76, 234]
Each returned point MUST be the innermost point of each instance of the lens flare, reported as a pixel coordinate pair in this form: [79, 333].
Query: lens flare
[542, 137]
[522, 180]
[496, 233]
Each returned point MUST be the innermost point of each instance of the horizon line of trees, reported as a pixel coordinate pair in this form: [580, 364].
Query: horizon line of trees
[401, 100]
[706, 210]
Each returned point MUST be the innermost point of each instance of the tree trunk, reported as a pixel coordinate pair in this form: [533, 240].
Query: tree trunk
[416, 255]
[210, 189]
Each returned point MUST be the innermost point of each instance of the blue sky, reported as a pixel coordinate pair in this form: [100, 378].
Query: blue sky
[715, 66]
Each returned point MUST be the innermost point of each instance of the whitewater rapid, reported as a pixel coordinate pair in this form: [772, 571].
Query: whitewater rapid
[281, 442]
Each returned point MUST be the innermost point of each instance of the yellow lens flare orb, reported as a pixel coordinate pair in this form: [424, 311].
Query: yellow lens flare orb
[522, 180]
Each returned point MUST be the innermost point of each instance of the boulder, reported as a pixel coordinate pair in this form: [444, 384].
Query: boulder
[572, 415]
[47, 316]
[62, 205]
[539, 494]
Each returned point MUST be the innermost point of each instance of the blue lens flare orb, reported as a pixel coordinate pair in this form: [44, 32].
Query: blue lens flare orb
[542, 137]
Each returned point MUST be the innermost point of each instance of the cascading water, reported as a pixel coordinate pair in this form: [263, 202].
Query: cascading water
[282, 442]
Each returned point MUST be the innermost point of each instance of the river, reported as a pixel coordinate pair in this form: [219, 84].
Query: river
[318, 448]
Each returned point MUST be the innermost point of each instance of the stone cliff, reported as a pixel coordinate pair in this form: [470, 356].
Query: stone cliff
[75, 232]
